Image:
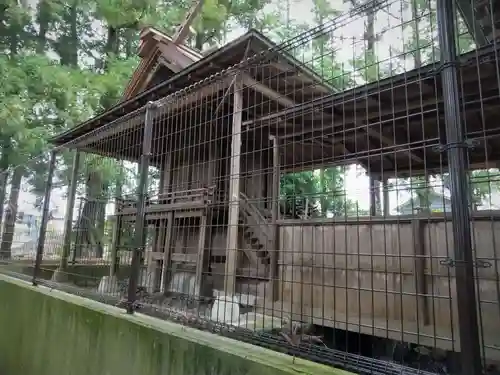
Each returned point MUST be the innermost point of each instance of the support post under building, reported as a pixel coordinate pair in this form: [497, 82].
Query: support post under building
[459, 188]
[385, 196]
[234, 193]
[140, 220]
[374, 196]
[167, 241]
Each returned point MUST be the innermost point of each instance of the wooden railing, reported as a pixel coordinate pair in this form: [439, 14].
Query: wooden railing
[200, 195]
[204, 194]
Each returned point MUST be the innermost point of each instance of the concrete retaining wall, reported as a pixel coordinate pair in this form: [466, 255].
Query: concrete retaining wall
[82, 275]
[48, 332]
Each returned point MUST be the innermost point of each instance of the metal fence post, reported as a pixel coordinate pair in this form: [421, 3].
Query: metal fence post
[141, 205]
[45, 217]
[459, 188]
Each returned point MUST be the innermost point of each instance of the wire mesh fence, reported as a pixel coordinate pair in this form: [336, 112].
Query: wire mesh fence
[302, 196]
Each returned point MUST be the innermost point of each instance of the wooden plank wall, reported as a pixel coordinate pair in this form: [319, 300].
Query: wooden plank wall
[384, 278]
[196, 171]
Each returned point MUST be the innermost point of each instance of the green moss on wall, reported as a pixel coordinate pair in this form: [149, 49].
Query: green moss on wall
[47, 332]
[83, 275]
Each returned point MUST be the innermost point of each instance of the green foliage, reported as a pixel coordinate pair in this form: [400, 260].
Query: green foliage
[323, 190]
[482, 183]
[64, 62]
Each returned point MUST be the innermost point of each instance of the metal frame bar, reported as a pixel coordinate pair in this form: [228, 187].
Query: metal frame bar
[457, 157]
[141, 207]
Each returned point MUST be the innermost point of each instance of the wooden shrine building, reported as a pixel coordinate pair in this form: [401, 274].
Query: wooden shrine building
[226, 125]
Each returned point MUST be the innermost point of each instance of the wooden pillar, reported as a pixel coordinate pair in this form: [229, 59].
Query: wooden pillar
[204, 240]
[154, 263]
[373, 197]
[420, 281]
[200, 259]
[167, 237]
[166, 269]
[275, 193]
[116, 239]
[385, 189]
[234, 193]
[68, 219]
[159, 224]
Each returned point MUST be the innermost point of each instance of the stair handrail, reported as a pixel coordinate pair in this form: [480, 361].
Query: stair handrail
[253, 213]
[250, 207]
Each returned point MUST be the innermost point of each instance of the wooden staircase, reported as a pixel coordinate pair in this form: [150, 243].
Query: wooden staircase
[256, 232]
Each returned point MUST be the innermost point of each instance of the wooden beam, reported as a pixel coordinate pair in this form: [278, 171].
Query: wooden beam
[306, 108]
[184, 258]
[319, 83]
[111, 129]
[183, 30]
[366, 128]
[234, 193]
[191, 53]
[174, 54]
[166, 105]
[266, 91]
[172, 103]
[173, 67]
[389, 142]
[147, 63]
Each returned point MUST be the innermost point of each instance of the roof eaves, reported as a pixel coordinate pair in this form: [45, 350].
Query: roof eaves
[204, 60]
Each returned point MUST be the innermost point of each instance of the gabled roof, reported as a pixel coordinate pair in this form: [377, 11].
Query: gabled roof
[253, 43]
[158, 51]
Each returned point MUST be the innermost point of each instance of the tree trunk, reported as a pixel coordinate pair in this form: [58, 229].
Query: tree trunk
[69, 43]
[43, 22]
[129, 42]
[4, 178]
[88, 236]
[323, 199]
[10, 215]
[417, 56]
[198, 41]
